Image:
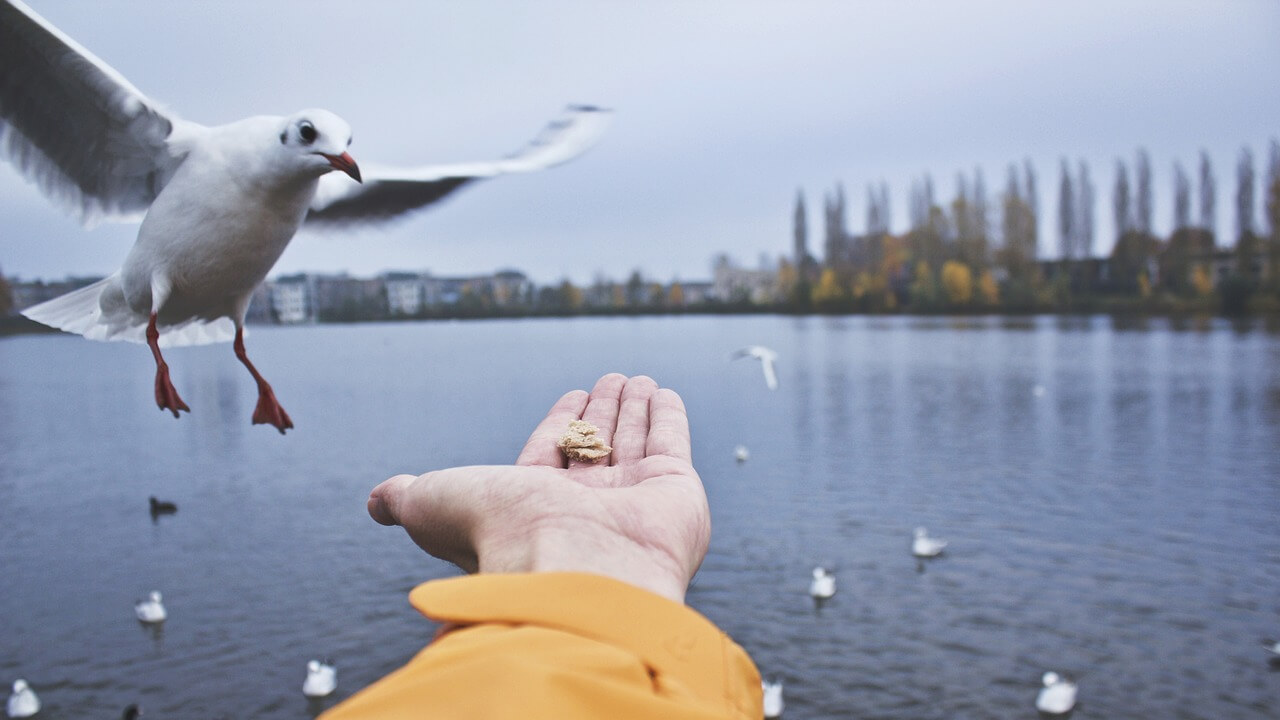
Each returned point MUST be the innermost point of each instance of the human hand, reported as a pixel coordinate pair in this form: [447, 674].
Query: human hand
[642, 517]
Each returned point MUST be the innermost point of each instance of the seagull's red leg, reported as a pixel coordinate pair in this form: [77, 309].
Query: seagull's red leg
[268, 411]
[166, 394]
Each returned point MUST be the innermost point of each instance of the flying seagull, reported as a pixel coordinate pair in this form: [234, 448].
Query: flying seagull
[766, 357]
[218, 204]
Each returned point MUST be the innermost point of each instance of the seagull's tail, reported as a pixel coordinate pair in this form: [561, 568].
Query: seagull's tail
[99, 312]
[79, 311]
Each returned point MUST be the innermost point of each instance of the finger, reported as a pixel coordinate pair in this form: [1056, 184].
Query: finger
[668, 427]
[632, 433]
[438, 510]
[602, 410]
[541, 448]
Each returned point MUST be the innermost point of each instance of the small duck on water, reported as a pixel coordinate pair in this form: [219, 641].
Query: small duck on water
[162, 507]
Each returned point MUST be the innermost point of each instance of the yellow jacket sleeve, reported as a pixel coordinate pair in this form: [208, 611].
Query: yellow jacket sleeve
[564, 646]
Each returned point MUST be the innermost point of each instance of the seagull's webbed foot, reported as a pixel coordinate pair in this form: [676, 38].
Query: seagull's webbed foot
[166, 394]
[269, 412]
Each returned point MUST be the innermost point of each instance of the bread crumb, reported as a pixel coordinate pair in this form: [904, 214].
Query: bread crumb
[581, 442]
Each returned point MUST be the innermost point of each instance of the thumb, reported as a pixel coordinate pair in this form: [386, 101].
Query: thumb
[439, 510]
[382, 496]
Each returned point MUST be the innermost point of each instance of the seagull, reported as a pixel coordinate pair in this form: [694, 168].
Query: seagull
[162, 507]
[322, 679]
[131, 712]
[23, 703]
[926, 547]
[218, 204]
[766, 357]
[150, 610]
[823, 585]
[773, 704]
[740, 453]
[1058, 695]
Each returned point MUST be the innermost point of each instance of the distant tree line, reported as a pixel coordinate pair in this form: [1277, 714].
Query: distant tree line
[973, 254]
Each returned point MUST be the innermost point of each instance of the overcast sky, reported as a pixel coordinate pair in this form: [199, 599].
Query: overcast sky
[723, 111]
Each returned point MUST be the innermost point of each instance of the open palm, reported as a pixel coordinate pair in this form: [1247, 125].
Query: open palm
[642, 517]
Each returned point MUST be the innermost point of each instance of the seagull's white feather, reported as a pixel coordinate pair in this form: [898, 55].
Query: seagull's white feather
[74, 126]
[388, 192]
[767, 359]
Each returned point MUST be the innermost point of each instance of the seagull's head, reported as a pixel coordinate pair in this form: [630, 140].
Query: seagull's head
[317, 141]
[19, 685]
[1050, 679]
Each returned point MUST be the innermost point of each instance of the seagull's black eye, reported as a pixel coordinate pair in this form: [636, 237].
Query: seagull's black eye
[307, 132]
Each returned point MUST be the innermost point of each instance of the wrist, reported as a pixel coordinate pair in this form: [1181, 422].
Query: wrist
[587, 549]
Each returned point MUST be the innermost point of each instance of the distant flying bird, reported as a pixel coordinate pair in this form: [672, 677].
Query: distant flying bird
[766, 357]
[924, 546]
[1058, 696]
[218, 204]
[23, 703]
[773, 704]
[322, 679]
[823, 585]
[151, 610]
[741, 453]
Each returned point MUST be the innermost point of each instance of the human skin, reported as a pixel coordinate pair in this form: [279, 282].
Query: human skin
[640, 517]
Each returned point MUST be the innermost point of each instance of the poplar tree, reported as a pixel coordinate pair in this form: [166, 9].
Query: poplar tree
[1084, 205]
[1067, 214]
[1142, 182]
[1208, 195]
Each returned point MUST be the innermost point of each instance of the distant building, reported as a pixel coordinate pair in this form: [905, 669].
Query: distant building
[734, 284]
[291, 300]
[405, 293]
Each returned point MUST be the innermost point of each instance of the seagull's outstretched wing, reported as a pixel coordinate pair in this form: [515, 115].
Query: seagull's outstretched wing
[770, 374]
[75, 126]
[389, 192]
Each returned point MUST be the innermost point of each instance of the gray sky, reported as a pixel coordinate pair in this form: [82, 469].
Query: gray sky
[723, 111]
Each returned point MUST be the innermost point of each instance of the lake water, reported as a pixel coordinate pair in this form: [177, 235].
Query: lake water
[1111, 495]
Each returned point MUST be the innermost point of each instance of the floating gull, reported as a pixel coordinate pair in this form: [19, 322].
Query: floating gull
[766, 357]
[823, 585]
[218, 204]
[131, 712]
[23, 703]
[151, 610]
[926, 547]
[322, 679]
[1272, 646]
[740, 453]
[1058, 695]
[773, 704]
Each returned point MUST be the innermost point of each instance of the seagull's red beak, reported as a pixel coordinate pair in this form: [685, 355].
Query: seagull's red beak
[346, 164]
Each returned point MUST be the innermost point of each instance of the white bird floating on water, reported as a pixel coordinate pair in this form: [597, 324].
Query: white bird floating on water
[773, 704]
[926, 547]
[1272, 646]
[823, 584]
[1058, 695]
[322, 679]
[766, 357]
[23, 703]
[741, 453]
[218, 204]
[151, 610]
